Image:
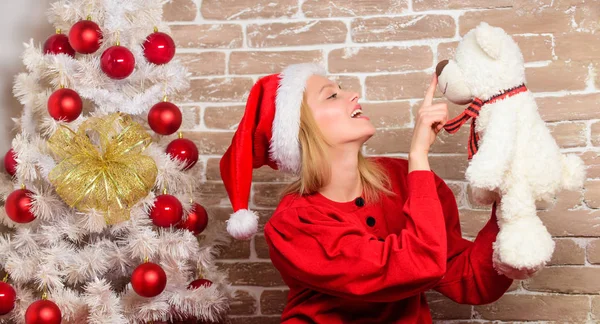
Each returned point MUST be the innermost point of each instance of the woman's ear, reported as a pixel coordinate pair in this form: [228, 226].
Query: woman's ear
[490, 39]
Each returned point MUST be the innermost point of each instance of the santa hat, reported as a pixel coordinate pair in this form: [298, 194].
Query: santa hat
[266, 135]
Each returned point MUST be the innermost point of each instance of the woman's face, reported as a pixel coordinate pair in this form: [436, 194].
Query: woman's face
[337, 112]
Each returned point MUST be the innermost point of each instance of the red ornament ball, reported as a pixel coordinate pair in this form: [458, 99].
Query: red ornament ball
[58, 44]
[10, 162]
[8, 296]
[196, 221]
[164, 118]
[148, 279]
[167, 211]
[117, 62]
[184, 150]
[65, 104]
[43, 312]
[85, 37]
[199, 283]
[18, 206]
[159, 48]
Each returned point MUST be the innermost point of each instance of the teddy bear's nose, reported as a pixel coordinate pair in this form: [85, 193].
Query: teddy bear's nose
[440, 67]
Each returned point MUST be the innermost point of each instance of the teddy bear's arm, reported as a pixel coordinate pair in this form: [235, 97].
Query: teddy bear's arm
[496, 148]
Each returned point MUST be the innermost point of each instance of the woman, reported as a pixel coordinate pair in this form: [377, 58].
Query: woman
[357, 240]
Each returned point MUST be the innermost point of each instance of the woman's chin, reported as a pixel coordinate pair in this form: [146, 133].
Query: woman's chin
[353, 133]
[366, 128]
[367, 134]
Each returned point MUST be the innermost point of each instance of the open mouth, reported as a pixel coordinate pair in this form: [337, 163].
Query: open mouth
[356, 113]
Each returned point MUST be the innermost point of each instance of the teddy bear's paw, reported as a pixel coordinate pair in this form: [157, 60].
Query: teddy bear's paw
[484, 178]
[524, 243]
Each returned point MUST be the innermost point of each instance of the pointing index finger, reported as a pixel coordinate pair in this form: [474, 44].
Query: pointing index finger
[430, 91]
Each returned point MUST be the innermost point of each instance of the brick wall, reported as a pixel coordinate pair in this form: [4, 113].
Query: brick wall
[387, 49]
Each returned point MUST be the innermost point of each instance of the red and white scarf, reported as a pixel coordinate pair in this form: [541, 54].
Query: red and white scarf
[472, 111]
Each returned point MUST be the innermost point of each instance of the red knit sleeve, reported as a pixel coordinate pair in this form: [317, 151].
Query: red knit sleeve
[470, 277]
[341, 258]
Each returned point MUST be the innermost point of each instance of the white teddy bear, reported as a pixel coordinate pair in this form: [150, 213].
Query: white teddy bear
[514, 160]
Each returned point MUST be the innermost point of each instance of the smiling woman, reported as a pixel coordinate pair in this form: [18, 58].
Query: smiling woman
[355, 238]
[329, 118]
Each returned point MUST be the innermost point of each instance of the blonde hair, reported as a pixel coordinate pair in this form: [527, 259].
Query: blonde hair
[315, 172]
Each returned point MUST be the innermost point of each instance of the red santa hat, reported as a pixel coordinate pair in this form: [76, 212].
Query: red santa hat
[266, 135]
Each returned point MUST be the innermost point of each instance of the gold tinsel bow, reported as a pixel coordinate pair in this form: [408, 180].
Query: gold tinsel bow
[101, 166]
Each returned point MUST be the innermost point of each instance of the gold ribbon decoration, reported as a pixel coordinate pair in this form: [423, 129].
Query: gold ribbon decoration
[101, 165]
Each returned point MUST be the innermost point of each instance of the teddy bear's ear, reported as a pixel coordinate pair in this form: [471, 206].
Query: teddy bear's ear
[490, 39]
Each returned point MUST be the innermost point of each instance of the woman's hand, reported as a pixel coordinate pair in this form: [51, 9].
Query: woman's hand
[430, 120]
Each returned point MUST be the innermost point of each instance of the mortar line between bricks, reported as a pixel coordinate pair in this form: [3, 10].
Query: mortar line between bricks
[204, 161]
[590, 80]
[574, 266]
[523, 291]
[251, 204]
[427, 70]
[202, 123]
[590, 315]
[555, 94]
[553, 40]
[198, 129]
[559, 122]
[404, 44]
[227, 60]
[390, 73]
[579, 237]
[300, 13]
[436, 41]
[253, 254]
[255, 292]
[485, 321]
[199, 17]
[348, 39]
[290, 19]
[588, 132]
[588, 122]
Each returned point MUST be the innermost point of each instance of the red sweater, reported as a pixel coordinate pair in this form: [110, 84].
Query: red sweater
[357, 262]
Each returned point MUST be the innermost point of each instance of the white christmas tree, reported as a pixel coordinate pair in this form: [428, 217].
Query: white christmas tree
[100, 224]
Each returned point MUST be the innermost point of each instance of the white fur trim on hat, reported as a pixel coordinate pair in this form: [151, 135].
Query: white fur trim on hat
[285, 146]
[242, 224]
